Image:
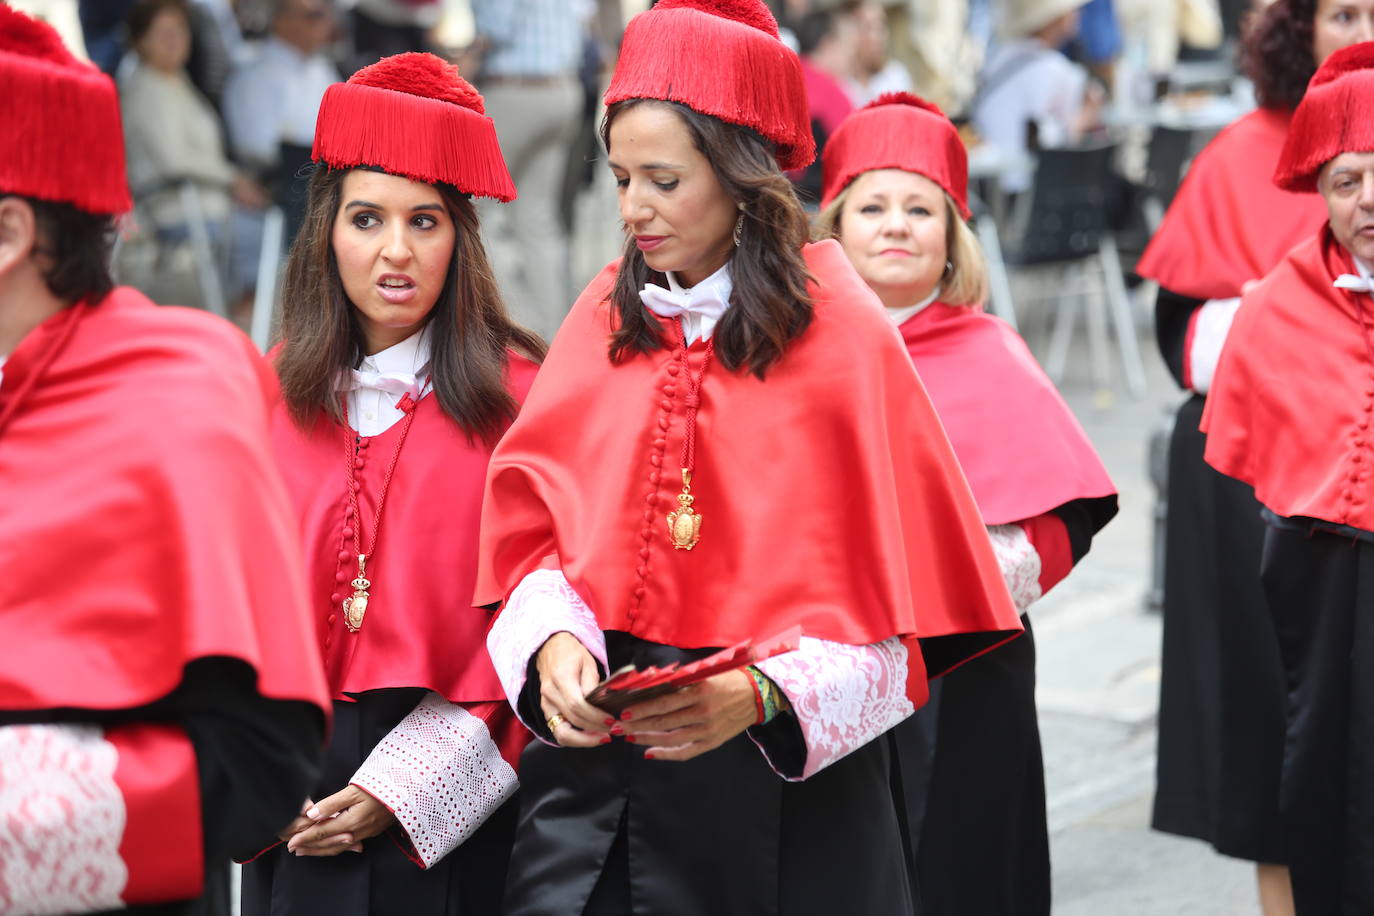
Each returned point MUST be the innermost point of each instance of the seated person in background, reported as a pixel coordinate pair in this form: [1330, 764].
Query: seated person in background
[1030, 96]
[828, 42]
[876, 72]
[171, 135]
[271, 100]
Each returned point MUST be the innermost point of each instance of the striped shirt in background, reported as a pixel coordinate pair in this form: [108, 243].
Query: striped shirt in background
[532, 37]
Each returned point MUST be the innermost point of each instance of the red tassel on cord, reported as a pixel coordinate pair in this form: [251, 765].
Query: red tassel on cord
[413, 115]
[723, 59]
[1336, 116]
[898, 130]
[60, 121]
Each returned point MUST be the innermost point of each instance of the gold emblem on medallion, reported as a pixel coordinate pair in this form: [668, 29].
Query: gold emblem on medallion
[684, 522]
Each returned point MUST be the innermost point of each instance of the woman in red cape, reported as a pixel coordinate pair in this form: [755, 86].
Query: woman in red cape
[1289, 414]
[161, 700]
[399, 371]
[972, 778]
[727, 440]
[1221, 690]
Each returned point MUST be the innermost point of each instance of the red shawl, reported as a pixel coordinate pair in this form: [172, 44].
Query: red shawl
[829, 494]
[1290, 407]
[1017, 441]
[144, 524]
[1229, 224]
[421, 629]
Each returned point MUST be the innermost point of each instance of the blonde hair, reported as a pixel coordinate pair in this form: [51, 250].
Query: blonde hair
[965, 283]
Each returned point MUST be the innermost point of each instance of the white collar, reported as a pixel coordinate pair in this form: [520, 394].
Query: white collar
[409, 356]
[699, 307]
[902, 315]
[719, 282]
[1356, 283]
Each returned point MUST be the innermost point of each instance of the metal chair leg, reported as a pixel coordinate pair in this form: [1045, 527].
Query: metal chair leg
[269, 260]
[999, 287]
[207, 273]
[1057, 359]
[1122, 316]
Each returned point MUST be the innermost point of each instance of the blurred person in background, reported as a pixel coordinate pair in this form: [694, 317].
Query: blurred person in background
[1163, 29]
[941, 48]
[531, 53]
[1221, 707]
[272, 99]
[969, 764]
[828, 42]
[1289, 414]
[172, 136]
[1030, 96]
[161, 702]
[102, 24]
[876, 72]
[381, 28]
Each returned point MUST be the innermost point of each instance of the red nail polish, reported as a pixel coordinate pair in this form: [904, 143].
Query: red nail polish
[625, 715]
[648, 755]
[606, 740]
[610, 720]
[630, 738]
[617, 730]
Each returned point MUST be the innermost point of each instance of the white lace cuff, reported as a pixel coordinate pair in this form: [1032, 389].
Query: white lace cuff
[62, 817]
[541, 605]
[1019, 562]
[440, 773]
[843, 696]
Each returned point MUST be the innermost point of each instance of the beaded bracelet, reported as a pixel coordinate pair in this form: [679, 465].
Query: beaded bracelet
[766, 695]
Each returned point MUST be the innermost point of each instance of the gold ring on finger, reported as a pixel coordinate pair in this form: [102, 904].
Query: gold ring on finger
[556, 720]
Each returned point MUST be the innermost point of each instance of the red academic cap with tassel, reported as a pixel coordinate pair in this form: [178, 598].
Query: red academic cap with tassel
[413, 115]
[59, 122]
[898, 130]
[721, 58]
[1336, 116]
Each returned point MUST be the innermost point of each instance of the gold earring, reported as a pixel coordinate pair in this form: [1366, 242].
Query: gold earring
[739, 227]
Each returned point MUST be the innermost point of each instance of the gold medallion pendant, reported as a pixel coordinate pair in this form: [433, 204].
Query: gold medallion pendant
[684, 522]
[355, 606]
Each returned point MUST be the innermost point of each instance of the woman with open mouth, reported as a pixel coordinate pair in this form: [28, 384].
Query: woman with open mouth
[728, 440]
[399, 371]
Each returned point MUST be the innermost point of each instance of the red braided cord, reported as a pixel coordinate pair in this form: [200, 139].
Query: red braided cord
[406, 404]
[689, 438]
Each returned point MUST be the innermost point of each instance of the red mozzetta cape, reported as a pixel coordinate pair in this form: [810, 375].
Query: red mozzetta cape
[421, 629]
[1229, 224]
[829, 494]
[1017, 441]
[1289, 410]
[143, 523]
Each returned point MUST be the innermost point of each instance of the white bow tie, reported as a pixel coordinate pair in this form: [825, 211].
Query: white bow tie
[1353, 282]
[397, 383]
[703, 301]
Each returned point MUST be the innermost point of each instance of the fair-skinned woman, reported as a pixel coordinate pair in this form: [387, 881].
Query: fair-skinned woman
[1288, 415]
[397, 351]
[752, 453]
[1221, 685]
[973, 795]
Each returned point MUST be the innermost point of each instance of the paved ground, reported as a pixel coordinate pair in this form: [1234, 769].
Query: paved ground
[1098, 695]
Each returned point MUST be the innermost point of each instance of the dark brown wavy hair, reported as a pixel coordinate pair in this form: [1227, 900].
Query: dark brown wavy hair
[769, 306]
[469, 328]
[1276, 52]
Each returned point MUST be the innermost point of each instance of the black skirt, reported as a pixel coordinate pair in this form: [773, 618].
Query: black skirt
[1221, 720]
[1321, 593]
[604, 831]
[971, 789]
[381, 880]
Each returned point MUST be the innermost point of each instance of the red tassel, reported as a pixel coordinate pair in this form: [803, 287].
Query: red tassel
[420, 138]
[750, 12]
[721, 64]
[60, 118]
[898, 130]
[1334, 117]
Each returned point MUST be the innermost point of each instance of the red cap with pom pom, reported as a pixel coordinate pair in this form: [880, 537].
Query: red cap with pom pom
[898, 130]
[59, 122]
[722, 58]
[413, 115]
[1334, 117]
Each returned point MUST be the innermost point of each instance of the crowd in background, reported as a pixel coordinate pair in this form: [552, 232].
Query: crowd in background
[219, 100]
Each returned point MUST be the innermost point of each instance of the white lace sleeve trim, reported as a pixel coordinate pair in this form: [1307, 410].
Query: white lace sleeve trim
[541, 605]
[62, 817]
[1019, 562]
[440, 773]
[843, 696]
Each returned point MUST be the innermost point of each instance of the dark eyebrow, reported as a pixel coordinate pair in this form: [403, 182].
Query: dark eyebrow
[650, 166]
[369, 205]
